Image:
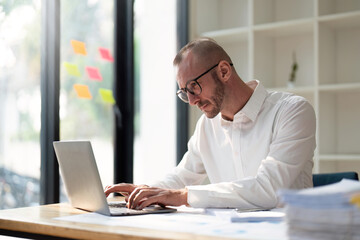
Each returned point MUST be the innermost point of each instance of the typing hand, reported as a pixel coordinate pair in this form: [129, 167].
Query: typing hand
[142, 197]
[123, 188]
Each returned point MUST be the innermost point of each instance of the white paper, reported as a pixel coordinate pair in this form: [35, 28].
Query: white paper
[259, 216]
[323, 212]
[196, 223]
[335, 195]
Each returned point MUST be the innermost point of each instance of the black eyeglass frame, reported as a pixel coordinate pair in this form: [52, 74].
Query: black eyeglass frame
[186, 89]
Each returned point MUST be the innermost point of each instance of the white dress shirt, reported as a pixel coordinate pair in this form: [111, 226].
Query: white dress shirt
[268, 146]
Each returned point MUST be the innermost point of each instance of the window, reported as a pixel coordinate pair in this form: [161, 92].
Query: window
[87, 73]
[20, 103]
[155, 88]
[86, 96]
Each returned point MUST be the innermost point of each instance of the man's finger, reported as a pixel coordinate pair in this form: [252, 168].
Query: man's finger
[132, 197]
[155, 199]
[125, 188]
[138, 195]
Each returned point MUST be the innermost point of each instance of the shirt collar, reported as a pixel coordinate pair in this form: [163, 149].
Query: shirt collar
[252, 107]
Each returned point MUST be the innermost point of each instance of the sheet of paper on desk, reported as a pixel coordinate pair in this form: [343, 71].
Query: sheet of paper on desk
[233, 215]
[196, 223]
[259, 216]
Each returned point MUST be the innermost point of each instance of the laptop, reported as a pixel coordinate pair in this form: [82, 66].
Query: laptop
[83, 184]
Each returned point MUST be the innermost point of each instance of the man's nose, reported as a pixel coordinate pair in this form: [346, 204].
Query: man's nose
[193, 100]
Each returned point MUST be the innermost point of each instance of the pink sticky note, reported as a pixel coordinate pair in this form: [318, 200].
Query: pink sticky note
[93, 73]
[105, 54]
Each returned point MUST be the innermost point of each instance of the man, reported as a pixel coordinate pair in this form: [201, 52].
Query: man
[249, 143]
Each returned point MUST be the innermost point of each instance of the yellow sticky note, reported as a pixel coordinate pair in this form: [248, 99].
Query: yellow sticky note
[355, 199]
[72, 69]
[106, 95]
[82, 91]
[78, 47]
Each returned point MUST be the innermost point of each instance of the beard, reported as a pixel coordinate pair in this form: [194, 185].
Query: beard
[217, 99]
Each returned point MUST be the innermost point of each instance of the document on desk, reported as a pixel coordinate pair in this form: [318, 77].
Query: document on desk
[259, 216]
[214, 222]
[324, 212]
[233, 215]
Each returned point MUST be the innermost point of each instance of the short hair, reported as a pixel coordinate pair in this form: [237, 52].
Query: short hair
[204, 48]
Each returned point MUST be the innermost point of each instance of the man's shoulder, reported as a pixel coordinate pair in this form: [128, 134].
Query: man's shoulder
[285, 98]
[288, 104]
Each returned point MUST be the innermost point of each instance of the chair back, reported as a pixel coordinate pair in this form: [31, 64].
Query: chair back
[321, 179]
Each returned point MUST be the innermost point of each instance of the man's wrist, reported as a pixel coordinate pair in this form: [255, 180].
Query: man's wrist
[185, 197]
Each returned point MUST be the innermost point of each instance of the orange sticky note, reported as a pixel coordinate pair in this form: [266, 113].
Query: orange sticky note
[78, 47]
[82, 91]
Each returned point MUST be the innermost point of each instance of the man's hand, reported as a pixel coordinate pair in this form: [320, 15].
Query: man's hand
[142, 197]
[123, 188]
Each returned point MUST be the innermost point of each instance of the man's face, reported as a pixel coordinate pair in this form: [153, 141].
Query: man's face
[211, 98]
[212, 105]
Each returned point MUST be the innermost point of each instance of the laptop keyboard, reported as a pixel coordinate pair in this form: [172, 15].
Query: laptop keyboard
[119, 208]
[117, 204]
[124, 211]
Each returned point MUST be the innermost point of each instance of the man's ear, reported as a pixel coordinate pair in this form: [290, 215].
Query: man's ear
[225, 70]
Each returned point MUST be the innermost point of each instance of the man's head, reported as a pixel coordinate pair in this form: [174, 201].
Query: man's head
[203, 68]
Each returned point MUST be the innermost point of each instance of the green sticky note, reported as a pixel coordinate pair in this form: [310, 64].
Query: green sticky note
[107, 95]
[72, 69]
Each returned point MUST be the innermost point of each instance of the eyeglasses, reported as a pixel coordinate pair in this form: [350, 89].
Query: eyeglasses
[193, 86]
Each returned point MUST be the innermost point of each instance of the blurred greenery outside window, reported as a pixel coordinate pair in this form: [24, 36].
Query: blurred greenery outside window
[91, 23]
[20, 103]
[155, 88]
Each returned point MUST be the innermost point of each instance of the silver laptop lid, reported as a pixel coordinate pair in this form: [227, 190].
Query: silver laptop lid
[80, 175]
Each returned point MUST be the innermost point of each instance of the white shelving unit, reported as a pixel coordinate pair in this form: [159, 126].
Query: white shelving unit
[262, 38]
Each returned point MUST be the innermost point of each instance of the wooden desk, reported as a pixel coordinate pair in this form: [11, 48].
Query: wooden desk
[38, 222]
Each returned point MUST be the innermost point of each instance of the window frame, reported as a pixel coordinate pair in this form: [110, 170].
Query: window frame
[182, 110]
[50, 93]
[124, 91]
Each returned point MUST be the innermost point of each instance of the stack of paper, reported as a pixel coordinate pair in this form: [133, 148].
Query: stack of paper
[328, 212]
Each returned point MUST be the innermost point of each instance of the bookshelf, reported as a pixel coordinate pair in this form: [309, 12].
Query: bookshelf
[263, 37]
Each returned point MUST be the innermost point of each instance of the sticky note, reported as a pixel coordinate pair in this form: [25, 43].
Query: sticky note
[105, 54]
[106, 95]
[82, 91]
[78, 47]
[72, 69]
[93, 73]
[355, 199]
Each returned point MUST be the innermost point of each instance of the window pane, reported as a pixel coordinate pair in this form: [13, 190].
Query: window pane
[155, 113]
[20, 103]
[86, 99]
